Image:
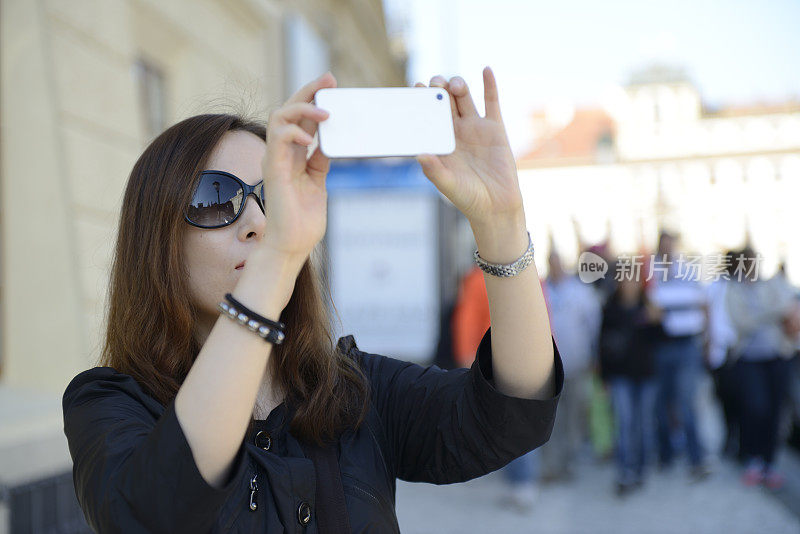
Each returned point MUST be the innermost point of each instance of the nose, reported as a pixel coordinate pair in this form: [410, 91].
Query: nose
[252, 220]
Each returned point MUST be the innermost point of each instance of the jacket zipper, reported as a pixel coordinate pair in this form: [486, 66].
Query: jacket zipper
[253, 493]
[366, 490]
[368, 494]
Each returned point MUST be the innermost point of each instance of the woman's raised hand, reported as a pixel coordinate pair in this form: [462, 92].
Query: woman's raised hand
[294, 184]
[480, 176]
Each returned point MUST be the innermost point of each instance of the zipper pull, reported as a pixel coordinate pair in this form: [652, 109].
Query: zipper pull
[253, 492]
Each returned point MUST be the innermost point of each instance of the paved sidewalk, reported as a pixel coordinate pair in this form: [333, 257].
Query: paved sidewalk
[669, 502]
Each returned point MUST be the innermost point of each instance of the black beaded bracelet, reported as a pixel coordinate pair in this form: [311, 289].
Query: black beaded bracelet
[254, 315]
[270, 333]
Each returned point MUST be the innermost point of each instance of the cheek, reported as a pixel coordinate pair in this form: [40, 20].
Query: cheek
[208, 279]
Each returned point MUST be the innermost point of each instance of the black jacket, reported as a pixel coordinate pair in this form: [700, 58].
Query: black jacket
[134, 471]
[626, 341]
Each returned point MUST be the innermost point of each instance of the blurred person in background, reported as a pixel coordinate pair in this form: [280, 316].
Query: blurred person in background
[521, 477]
[605, 285]
[678, 354]
[765, 316]
[575, 317]
[470, 318]
[721, 337]
[600, 417]
[629, 326]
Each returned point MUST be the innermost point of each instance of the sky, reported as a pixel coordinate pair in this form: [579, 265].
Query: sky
[573, 52]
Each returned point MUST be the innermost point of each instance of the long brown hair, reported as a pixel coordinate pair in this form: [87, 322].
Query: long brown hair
[151, 318]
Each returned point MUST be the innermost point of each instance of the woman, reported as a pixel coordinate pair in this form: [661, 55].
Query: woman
[195, 424]
[626, 364]
[759, 310]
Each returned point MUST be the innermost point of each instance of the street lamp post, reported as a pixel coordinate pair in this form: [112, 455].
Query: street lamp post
[216, 187]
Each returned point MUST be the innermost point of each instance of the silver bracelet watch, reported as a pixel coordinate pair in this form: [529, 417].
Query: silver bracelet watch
[507, 269]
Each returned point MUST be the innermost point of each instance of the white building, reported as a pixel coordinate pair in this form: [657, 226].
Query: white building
[653, 156]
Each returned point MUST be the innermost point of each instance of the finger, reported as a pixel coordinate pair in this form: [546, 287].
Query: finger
[439, 81]
[307, 92]
[458, 88]
[291, 133]
[293, 113]
[419, 84]
[309, 126]
[435, 170]
[307, 114]
[490, 97]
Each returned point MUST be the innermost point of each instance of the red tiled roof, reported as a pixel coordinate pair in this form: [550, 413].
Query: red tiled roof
[578, 140]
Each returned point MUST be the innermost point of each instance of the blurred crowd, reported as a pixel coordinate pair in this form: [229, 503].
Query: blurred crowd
[635, 345]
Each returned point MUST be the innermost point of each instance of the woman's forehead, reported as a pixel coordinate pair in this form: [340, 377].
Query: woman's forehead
[239, 153]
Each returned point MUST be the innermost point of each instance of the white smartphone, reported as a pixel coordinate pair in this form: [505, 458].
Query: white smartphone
[385, 121]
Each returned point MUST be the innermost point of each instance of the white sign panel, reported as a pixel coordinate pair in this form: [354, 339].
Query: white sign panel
[383, 250]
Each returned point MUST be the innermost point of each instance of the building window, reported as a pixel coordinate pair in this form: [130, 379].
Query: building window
[152, 98]
[306, 53]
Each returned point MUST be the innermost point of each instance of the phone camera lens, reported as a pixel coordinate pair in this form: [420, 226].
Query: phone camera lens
[439, 96]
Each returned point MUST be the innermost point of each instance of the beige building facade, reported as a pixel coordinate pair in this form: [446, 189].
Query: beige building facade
[86, 85]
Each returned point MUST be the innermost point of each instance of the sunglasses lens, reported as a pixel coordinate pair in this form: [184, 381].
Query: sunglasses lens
[216, 200]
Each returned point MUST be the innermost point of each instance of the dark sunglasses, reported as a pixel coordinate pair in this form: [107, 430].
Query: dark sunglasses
[219, 199]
